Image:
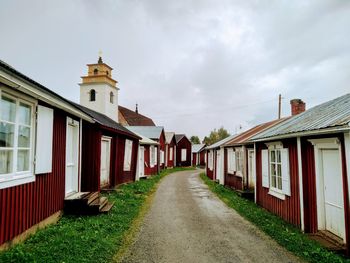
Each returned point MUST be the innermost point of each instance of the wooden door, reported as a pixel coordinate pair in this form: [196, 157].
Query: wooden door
[333, 192]
[72, 150]
[105, 161]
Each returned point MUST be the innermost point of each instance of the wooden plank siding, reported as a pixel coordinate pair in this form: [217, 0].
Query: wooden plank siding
[202, 158]
[171, 145]
[210, 173]
[148, 169]
[288, 209]
[194, 159]
[184, 143]
[26, 205]
[231, 180]
[161, 148]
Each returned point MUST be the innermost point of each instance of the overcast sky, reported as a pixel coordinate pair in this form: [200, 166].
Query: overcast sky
[190, 65]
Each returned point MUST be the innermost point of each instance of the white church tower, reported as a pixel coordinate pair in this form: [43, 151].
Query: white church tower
[99, 91]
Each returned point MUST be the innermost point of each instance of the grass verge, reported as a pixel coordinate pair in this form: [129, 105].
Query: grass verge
[89, 238]
[284, 233]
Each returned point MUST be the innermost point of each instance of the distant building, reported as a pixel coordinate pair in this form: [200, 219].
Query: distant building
[129, 117]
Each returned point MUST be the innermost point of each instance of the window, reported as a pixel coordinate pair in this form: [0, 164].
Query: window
[161, 156]
[127, 155]
[92, 95]
[183, 155]
[231, 161]
[152, 156]
[155, 155]
[210, 160]
[275, 169]
[171, 154]
[16, 144]
[239, 160]
[111, 97]
[95, 71]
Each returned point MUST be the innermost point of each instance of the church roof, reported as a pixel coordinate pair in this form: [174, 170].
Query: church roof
[131, 118]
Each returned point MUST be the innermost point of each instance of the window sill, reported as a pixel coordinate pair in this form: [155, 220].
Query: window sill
[238, 174]
[19, 180]
[277, 194]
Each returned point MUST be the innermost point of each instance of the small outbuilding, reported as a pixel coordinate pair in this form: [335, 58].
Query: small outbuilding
[183, 150]
[170, 149]
[198, 154]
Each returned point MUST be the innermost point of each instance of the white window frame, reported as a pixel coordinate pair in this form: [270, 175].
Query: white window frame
[127, 154]
[231, 161]
[183, 155]
[161, 157]
[210, 160]
[151, 156]
[171, 153]
[18, 178]
[155, 155]
[274, 191]
[239, 161]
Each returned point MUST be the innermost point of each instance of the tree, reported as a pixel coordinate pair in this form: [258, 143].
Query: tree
[195, 139]
[216, 135]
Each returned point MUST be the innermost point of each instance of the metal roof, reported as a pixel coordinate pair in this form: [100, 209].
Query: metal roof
[146, 141]
[104, 120]
[169, 136]
[197, 147]
[222, 142]
[178, 137]
[152, 132]
[331, 114]
[245, 137]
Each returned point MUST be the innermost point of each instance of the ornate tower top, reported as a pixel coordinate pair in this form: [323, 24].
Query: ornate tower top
[99, 73]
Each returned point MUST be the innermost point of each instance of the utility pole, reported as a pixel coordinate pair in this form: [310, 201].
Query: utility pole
[279, 106]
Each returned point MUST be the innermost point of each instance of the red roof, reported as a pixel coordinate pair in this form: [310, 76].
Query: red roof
[132, 118]
[245, 136]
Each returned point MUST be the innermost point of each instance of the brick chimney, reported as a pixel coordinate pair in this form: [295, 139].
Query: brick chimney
[297, 106]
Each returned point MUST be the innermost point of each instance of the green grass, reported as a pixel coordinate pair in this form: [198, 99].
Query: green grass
[284, 233]
[88, 238]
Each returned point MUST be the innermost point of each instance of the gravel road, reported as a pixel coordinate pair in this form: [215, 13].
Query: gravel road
[188, 223]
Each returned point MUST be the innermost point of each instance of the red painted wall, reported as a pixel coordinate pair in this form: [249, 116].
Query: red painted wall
[288, 209]
[148, 169]
[202, 158]
[231, 180]
[91, 157]
[26, 205]
[162, 147]
[172, 144]
[209, 172]
[184, 143]
[194, 159]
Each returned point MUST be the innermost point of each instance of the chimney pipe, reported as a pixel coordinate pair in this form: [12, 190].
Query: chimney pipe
[297, 106]
[137, 108]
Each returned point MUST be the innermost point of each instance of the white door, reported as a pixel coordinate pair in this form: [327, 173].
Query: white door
[333, 192]
[72, 150]
[251, 178]
[142, 161]
[105, 161]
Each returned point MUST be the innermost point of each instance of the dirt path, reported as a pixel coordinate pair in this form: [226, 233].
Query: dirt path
[187, 223]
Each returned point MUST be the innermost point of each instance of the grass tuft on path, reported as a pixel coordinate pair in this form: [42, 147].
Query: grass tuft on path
[88, 238]
[284, 233]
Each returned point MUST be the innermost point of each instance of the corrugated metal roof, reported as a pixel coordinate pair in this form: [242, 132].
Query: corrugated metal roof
[334, 113]
[245, 137]
[169, 136]
[222, 142]
[146, 141]
[178, 137]
[197, 147]
[152, 132]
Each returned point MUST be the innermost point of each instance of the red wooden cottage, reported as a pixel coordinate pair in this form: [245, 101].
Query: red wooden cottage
[40, 142]
[109, 150]
[154, 154]
[215, 159]
[198, 154]
[302, 169]
[170, 149]
[239, 159]
[183, 150]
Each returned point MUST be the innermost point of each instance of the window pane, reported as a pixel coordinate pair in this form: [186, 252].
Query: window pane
[23, 160]
[273, 181]
[6, 160]
[6, 134]
[279, 186]
[8, 109]
[279, 170]
[273, 169]
[23, 136]
[24, 114]
[278, 156]
[273, 157]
